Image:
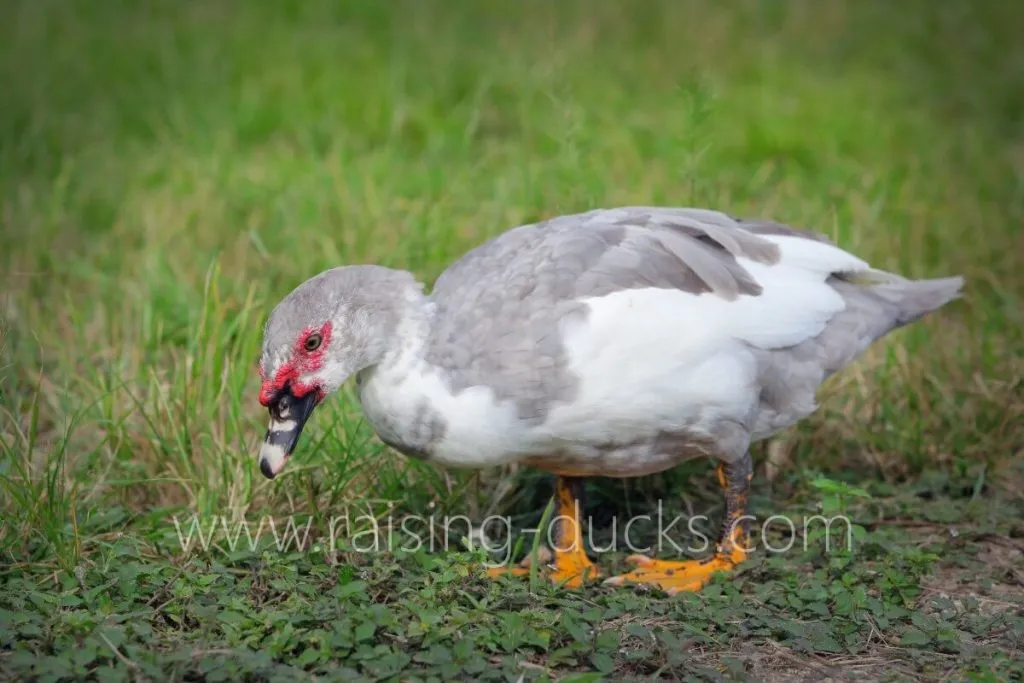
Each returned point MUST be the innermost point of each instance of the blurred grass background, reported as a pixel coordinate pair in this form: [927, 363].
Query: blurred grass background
[169, 170]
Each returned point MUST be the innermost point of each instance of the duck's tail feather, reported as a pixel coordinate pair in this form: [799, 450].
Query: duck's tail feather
[878, 303]
[913, 299]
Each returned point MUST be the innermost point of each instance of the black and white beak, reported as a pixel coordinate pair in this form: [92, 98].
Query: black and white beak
[288, 415]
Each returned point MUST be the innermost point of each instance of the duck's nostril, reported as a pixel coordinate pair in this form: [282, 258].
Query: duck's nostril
[281, 405]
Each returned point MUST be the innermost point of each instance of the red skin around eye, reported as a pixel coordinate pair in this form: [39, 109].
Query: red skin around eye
[301, 363]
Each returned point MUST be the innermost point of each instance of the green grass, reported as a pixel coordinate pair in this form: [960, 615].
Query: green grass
[167, 173]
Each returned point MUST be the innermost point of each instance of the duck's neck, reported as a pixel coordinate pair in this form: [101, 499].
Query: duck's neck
[413, 321]
[405, 315]
[395, 398]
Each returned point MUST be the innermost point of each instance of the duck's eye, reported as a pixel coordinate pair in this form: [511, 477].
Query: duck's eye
[313, 342]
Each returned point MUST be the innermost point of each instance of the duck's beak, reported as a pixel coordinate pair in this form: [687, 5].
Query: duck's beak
[288, 416]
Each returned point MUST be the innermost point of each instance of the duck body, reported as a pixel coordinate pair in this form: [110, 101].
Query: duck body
[613, 343]
[622, 342]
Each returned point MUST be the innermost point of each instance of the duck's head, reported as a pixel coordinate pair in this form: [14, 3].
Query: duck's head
[328, 328]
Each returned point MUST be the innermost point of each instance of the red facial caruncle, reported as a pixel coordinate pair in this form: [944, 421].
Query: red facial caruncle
[302, 362]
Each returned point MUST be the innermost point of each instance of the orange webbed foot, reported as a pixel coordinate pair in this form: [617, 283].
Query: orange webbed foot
[672, 576]
[680, 576]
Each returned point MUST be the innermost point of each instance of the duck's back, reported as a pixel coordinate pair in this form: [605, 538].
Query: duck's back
[649, 325]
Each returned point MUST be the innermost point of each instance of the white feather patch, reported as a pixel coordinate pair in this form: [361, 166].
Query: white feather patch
[813, 256]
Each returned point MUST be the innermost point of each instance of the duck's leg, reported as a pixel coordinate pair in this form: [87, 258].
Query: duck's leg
[567, 562]
[675, 576]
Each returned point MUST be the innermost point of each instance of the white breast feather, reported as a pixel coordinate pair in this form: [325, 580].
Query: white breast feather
[479, 431]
